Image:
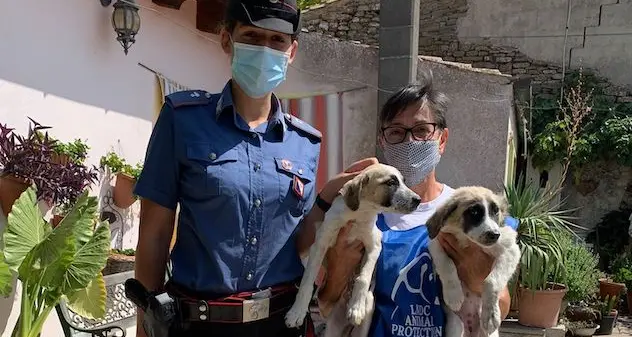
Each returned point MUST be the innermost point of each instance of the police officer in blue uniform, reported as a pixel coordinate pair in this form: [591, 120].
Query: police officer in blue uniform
[243, 173]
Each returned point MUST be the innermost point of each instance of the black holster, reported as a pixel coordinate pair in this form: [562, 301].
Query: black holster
[161, 318]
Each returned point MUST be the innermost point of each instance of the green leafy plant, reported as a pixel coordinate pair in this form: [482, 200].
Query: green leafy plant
[77, 150]
[541, 220]
[605, 133]
[581, 267]
[126, 252]
[622, 267]
[608, 304]
[117, 164]
[58, 264]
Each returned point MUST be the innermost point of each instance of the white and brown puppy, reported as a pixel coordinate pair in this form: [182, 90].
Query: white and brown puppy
[379, 188]
[474, 215]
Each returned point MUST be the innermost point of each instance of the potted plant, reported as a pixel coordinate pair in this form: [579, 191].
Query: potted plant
[541, 223]
[582, 328]
[126, 175]
[581, 318]
[609, 315]
[120, 260]
[23, 161]
[581, 270]
[75, 152]
[74, 177]
[623, 274]
[54, 264]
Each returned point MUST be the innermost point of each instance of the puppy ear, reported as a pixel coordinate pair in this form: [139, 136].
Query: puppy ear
[503, 207]
[351, 192]
[438, 219]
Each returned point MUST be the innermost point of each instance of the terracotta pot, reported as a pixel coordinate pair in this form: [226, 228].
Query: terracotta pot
[56, 220]
[61, 159]
[11, 187]
[541, 308]
[124, 190]
[609, 288]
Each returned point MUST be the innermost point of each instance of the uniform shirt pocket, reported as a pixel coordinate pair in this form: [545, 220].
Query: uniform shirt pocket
[296, 184]
[219, 170]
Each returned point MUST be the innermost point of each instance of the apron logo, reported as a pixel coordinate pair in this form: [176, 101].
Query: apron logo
[298, 187]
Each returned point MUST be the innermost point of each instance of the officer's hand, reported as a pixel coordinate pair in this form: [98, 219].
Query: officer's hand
[333, 186]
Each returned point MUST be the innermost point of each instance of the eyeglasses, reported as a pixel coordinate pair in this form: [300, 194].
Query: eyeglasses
[397, 134]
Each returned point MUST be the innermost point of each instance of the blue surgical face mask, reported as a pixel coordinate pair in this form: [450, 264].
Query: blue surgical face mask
[257, 69]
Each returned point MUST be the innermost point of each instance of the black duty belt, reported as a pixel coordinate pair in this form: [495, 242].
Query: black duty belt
[238, 308]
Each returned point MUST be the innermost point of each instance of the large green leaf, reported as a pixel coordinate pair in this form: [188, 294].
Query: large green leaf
[50, 254]
[6, 278]
[88, 261]
[90, 301]
[81, 218]
[25, 229]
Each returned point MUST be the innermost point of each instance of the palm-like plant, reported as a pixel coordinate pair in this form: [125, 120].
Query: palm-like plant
[541, 219]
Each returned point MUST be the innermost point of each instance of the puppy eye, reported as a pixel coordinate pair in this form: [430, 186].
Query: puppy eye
[475, 211]
[392, 182]
[493, 209]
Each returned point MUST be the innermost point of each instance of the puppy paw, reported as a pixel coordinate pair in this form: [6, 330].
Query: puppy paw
[295, 317]
[358, 307]
[490, 318]
[453, 295]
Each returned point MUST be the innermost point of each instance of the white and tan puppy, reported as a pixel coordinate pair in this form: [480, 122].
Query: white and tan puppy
[379, 188]
[474, 215]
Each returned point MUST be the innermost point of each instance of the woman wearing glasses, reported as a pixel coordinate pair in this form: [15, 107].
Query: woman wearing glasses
[413, 137]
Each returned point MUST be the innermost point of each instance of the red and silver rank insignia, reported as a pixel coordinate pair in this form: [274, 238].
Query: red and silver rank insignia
[286, 164]
[298, 187]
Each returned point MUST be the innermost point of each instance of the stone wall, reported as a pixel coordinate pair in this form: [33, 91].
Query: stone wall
[604, 186]
[358, 20]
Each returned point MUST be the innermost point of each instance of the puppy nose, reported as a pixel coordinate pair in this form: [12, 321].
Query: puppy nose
[416, 200]
[492, 237]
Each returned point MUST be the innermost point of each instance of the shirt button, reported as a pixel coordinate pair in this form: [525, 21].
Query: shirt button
[257, 202]
[300, 171]
[257, 167]
[253, 241]
[212, 156]
[254, 135]
[249, 277]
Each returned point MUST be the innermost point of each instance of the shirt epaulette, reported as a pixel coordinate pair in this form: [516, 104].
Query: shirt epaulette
[189, 98]
[303, 126]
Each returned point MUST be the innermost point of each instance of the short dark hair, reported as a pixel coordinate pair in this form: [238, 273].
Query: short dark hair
[422, 92]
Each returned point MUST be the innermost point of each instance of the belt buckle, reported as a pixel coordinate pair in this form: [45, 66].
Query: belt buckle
[255, 309]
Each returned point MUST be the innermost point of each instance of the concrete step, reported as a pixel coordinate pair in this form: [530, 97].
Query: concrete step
[616, 15]
[511, 328]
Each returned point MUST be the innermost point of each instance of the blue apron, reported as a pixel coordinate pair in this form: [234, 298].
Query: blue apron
[407, 292]
[407, 301]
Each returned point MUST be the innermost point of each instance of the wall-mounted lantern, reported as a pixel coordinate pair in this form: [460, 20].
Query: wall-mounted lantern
[125, 21]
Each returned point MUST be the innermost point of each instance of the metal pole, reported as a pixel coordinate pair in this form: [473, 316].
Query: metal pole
[568, 22]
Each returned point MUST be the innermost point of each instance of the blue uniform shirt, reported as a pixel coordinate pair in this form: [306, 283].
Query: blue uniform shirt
[407, 291]
[242, 192]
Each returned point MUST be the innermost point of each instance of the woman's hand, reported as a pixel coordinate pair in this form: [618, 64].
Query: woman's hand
[333, 186]
[342, 260]
[472, 263]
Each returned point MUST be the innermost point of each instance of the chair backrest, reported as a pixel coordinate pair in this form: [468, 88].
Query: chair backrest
[119, 310]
